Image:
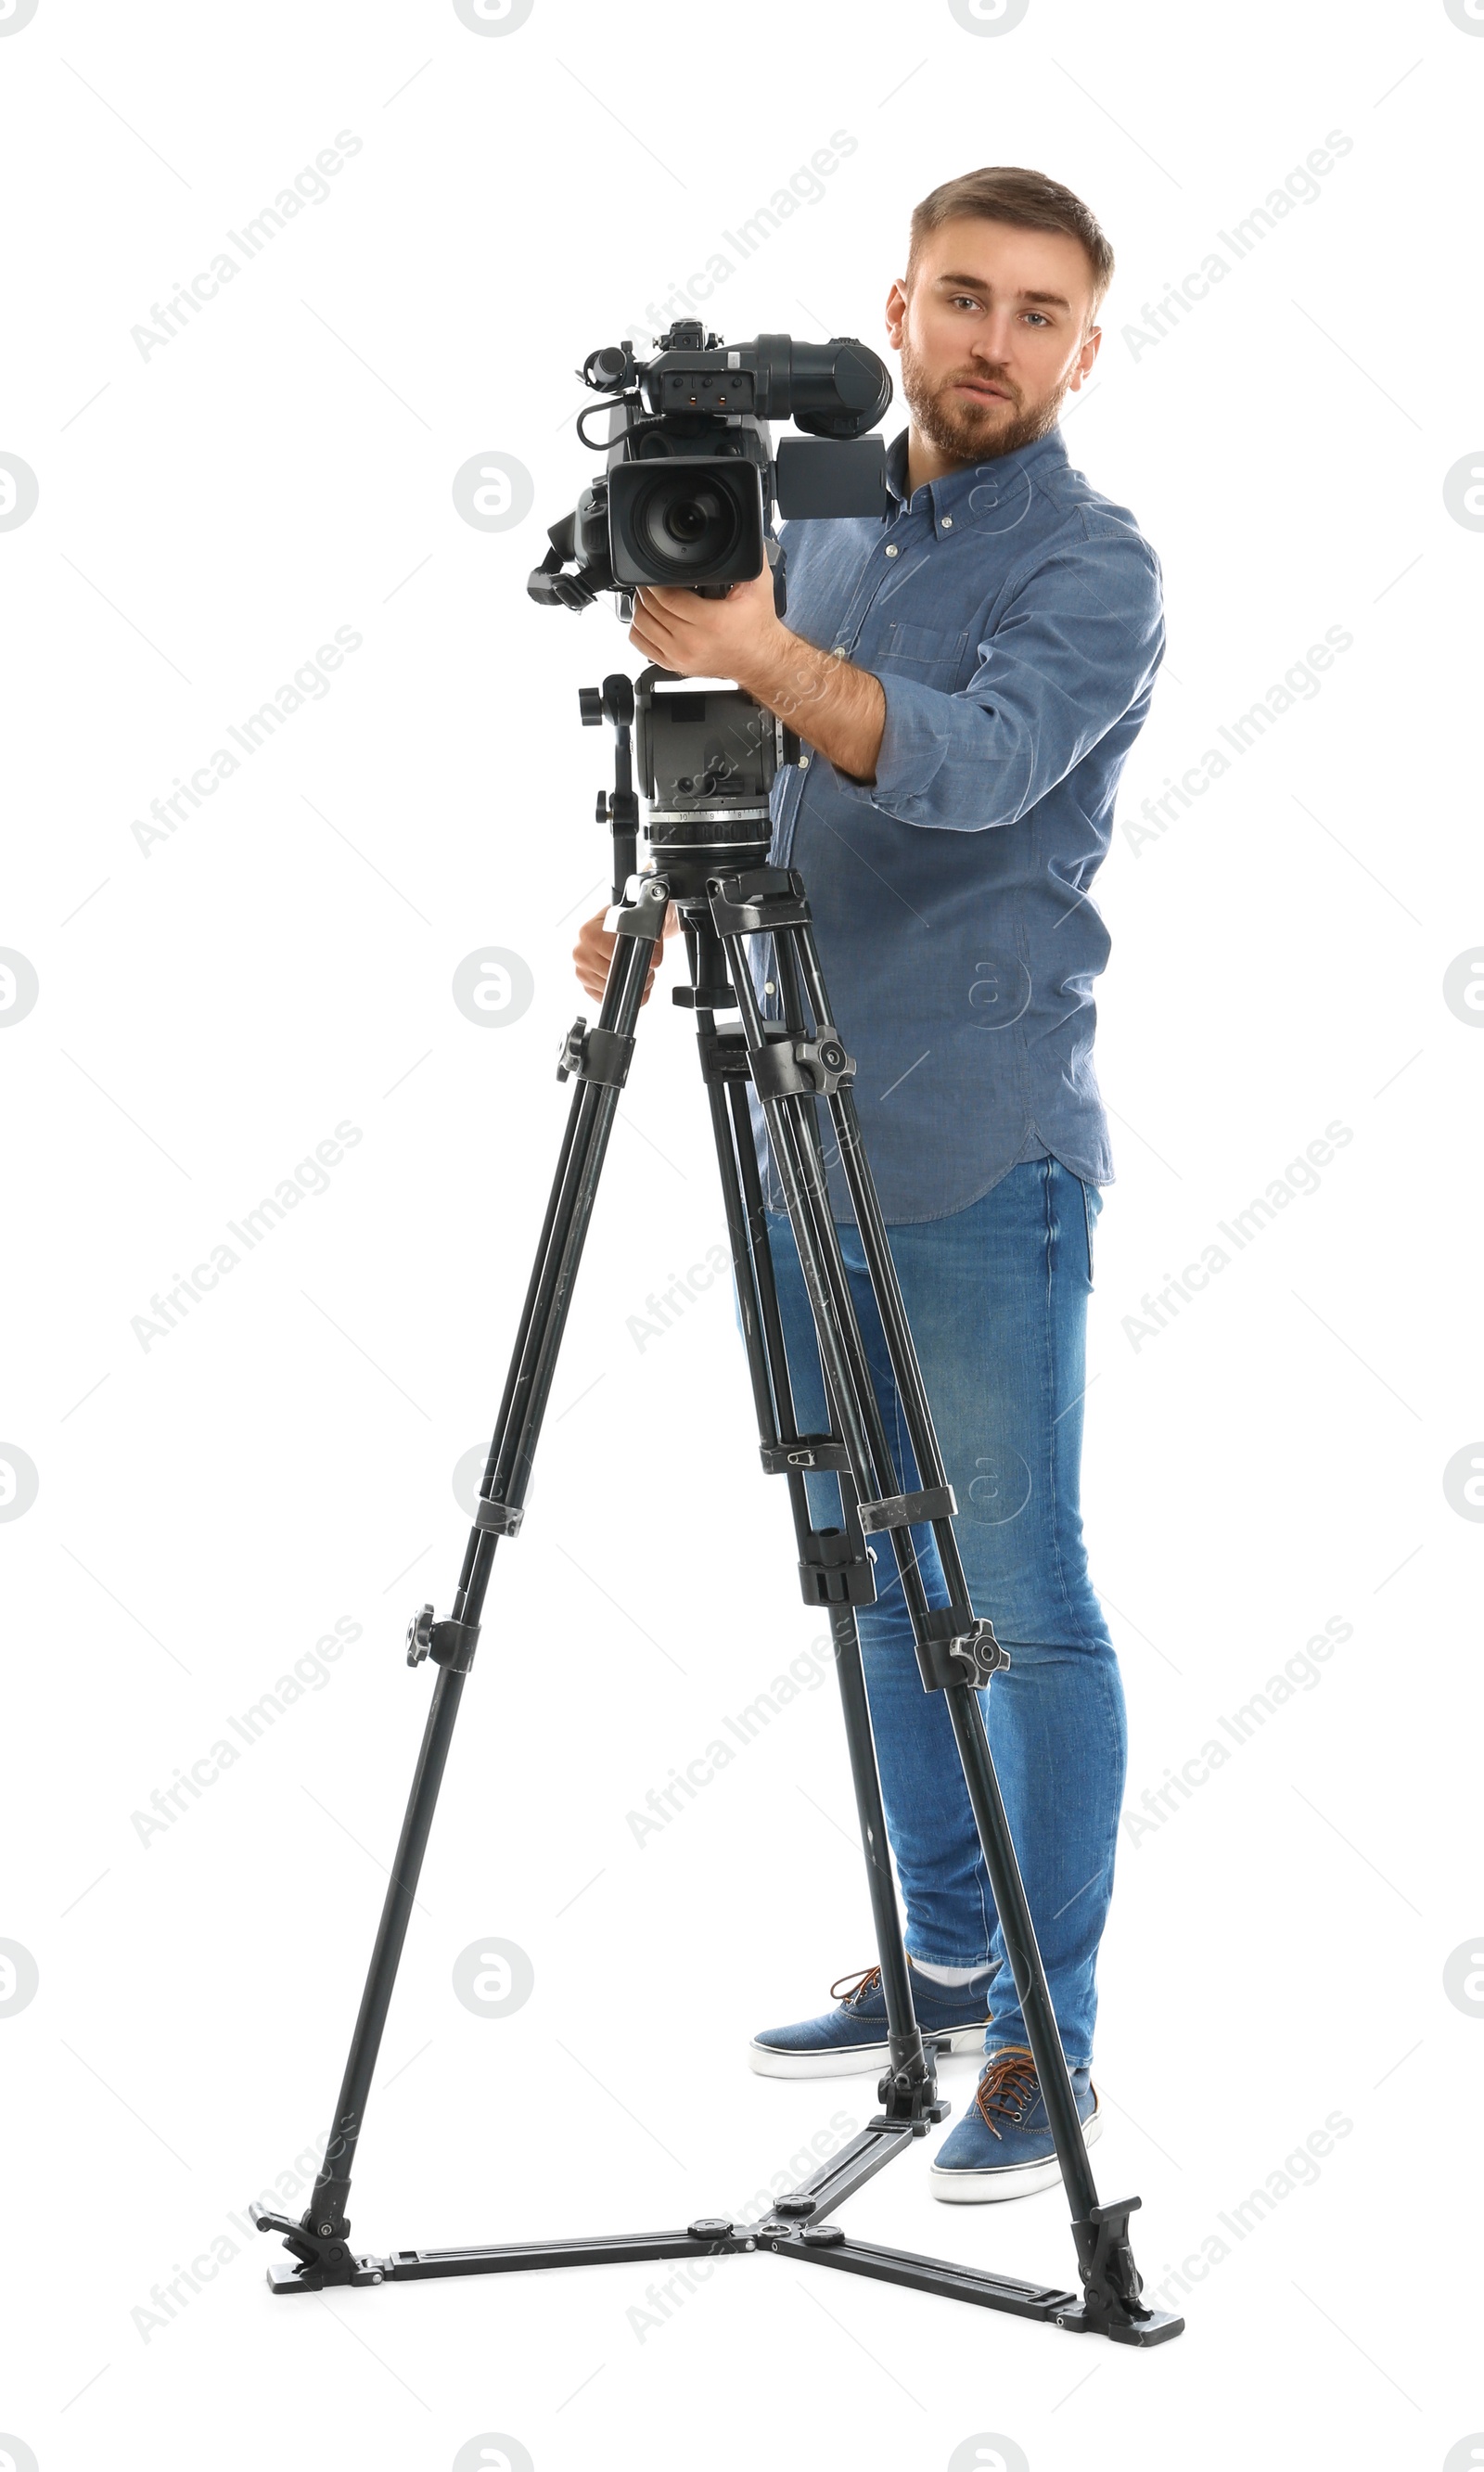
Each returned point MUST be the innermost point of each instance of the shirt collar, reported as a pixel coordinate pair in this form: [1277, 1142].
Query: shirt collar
[950, 492]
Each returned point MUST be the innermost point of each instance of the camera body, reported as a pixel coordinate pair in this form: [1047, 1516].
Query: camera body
[690, 480]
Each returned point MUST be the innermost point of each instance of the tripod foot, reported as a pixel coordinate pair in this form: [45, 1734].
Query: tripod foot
[909, 2095]
[1111, 2284]
[324, 2258]
[1154, 2326]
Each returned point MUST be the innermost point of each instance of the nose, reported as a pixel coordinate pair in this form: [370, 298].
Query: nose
[995, 339]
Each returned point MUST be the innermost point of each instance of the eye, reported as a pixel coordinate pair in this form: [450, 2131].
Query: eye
[1037, 315]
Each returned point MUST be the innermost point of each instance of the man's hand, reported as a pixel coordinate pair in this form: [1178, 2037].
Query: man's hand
[831, 703]
[593, 952]
[710, 639]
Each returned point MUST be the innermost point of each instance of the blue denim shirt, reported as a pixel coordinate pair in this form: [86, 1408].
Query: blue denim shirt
[1013, 616]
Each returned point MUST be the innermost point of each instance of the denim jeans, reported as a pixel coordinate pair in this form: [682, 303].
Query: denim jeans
[996, 1297]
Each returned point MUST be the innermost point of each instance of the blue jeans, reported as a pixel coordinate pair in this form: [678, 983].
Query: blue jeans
[996, 1297]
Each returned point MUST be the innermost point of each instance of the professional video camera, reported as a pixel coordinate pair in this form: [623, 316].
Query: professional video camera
[692, 480]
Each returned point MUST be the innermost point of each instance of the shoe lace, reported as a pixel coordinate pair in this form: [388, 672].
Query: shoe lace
[859, 1986]
[1009, 2086]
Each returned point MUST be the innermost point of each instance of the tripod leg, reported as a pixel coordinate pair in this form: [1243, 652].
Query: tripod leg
[860, 1742]
[325, 2215]
[963, 1704]
[600, 1060]
[1112, 2285]
[911, 2066]
[847, 1374]
[957, 1652]
[833, 1569]
[903, 2035]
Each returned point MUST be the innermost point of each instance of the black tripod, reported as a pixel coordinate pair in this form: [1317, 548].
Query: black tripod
[707, 758]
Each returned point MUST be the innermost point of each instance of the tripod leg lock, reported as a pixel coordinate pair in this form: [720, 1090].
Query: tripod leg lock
[595, 1054]
[907, 1509]
[498, 1518]
[792, 1068]
[448, 1643]
[818, 1451]
[956, 1653]
[833, 1573]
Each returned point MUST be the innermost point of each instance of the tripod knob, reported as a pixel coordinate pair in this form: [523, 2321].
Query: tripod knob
[419, 1635]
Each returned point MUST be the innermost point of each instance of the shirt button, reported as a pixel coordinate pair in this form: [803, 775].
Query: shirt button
[839, 652]
[948, 523]
[891, 549]
[802, 763]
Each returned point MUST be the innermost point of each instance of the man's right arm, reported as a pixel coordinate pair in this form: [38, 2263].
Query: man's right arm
[1079, 640]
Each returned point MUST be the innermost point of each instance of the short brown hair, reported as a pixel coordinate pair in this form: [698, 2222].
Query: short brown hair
[1005, 192]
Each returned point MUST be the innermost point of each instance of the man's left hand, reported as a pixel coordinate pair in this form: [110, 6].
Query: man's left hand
[740, 638]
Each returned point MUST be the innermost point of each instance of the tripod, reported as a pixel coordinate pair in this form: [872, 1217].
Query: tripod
[707, 758]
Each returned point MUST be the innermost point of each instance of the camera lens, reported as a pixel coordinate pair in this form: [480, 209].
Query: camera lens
[682, 527]
[687, 520]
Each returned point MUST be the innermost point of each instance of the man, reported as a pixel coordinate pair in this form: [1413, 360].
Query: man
[967, 677]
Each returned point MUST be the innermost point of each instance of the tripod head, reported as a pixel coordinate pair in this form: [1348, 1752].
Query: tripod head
[707, 757]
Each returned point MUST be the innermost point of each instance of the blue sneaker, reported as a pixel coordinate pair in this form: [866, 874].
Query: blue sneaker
[1003, 2146]
[852, 2038]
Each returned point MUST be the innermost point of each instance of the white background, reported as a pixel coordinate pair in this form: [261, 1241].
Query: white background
[207, 1013]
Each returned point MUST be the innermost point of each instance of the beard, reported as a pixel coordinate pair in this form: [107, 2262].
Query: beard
[974, 433]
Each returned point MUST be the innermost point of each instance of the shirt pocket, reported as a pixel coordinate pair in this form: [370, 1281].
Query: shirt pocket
[925, 647]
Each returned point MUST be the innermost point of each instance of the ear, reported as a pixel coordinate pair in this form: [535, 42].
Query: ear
[896, 312]
[1087, 356]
